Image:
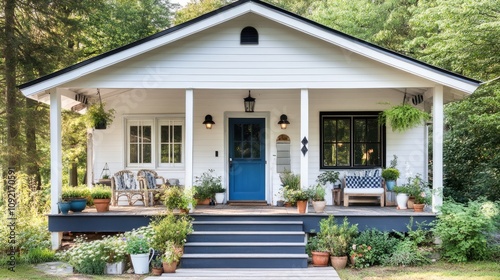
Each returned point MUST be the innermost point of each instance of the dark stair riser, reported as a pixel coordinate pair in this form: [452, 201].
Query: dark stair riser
[244, 263]
[223, 237]
[244, 249]
[247, 227]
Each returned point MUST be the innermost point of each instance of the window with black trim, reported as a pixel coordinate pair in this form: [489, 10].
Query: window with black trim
[249, 36]
[351, 140]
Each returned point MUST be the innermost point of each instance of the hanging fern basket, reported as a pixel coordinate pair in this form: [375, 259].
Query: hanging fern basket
[403, 117]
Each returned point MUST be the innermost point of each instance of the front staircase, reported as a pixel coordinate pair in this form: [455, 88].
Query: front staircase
[240, 242]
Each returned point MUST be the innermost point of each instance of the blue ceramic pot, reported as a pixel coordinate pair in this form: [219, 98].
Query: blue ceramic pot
[77, 205]
[390, 185]
[64, 206]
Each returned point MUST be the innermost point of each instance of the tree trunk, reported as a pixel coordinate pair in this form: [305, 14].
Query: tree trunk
[10, 83]
[32, 168]
[73, 175]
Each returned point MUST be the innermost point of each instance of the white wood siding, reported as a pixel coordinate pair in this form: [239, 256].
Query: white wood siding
[284, 58]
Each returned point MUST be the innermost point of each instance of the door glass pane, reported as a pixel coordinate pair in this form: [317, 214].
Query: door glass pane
[238, 152]
[246, 150]
[255, 149]
[237, 132]
[255, 132]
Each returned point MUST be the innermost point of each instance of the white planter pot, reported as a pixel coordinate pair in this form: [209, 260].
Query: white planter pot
[402, 200]
[319, 206]
[140, 262]
[115, 268]
[219, 197]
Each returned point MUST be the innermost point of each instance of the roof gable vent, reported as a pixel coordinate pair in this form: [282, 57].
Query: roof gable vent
[249, 36]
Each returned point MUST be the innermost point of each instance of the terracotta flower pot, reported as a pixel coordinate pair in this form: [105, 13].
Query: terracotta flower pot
[156, 271]
[339, 262]
[301, 206]
[169, 267]
[102, 205]
[418, 207]
[320, 258]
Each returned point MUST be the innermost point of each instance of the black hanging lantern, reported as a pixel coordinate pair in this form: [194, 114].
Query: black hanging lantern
[249, 103]
[283, 121]
[208, 122]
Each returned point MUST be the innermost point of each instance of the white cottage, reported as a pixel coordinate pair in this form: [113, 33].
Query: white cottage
[166, 87]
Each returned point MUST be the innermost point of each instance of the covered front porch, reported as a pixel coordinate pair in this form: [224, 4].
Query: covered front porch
[125, 218]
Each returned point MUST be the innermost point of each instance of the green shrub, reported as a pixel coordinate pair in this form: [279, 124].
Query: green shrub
[39, 255]
[100, 192]
[170, 228]
[465, 230]
[86, 257]
[406, 253]
[382, 243]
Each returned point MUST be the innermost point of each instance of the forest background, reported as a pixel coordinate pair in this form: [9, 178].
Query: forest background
[38, 37]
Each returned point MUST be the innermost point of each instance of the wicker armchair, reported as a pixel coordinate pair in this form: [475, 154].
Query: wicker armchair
[151, 183]
[123, 184]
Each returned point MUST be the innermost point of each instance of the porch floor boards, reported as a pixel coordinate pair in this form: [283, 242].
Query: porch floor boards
[251, 274]
[258, 210]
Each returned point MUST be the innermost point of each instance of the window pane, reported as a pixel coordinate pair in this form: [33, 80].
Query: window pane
[328, 155]
[177, 133]
[360, 130]
[133, 134]
[372, 130]
[373, 154]
[329, 127]
[344, 130]
[146, 134]
[177, 153]
[359, 154]
[164, 154]
[343, 154]
[164, 134]
[133, 153]
[146, 153]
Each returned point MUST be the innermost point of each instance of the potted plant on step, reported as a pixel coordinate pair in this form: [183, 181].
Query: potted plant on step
[156, 266]
[171, 257]
[401, 196]
[390, 176]
[300, 197]
[114, 251]
[101, 196]
[317, 250]
[337, 238]
[219, 193]
[289, 182]
[138, 248]
[417, 190]
[328, 177]
[317, 194]
[77, 196]
[178, 198]
[205, 186]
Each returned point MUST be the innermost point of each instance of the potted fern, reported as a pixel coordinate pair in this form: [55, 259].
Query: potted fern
[403, 117]
[98, 118]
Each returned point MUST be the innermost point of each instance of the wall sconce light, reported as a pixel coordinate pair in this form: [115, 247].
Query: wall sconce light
[208, 122]
[249, 103]
[283, 121]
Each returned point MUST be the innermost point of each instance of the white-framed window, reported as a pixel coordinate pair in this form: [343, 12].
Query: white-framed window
[154, 142]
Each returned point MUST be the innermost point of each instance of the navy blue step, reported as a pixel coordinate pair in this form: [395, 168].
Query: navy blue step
[246, 236]
[244, 248]
[248, 225]
[244, 261]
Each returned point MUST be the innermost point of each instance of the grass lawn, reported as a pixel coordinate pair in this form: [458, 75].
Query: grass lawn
[440, 270]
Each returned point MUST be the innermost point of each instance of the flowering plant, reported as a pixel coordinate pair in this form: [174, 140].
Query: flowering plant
[86, 257]
[137, 244]
[362, 255]
[114, 249]
[418, 190]
[173, 253]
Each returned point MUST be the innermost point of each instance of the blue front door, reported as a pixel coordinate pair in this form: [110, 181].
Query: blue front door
[247, 159]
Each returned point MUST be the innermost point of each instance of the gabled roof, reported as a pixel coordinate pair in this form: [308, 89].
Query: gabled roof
[226, 13]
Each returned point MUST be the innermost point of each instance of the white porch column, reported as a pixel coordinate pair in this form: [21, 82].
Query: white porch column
[90, 157]
[304, 132]
[55, 160]
[437, 147]
[188, 180]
